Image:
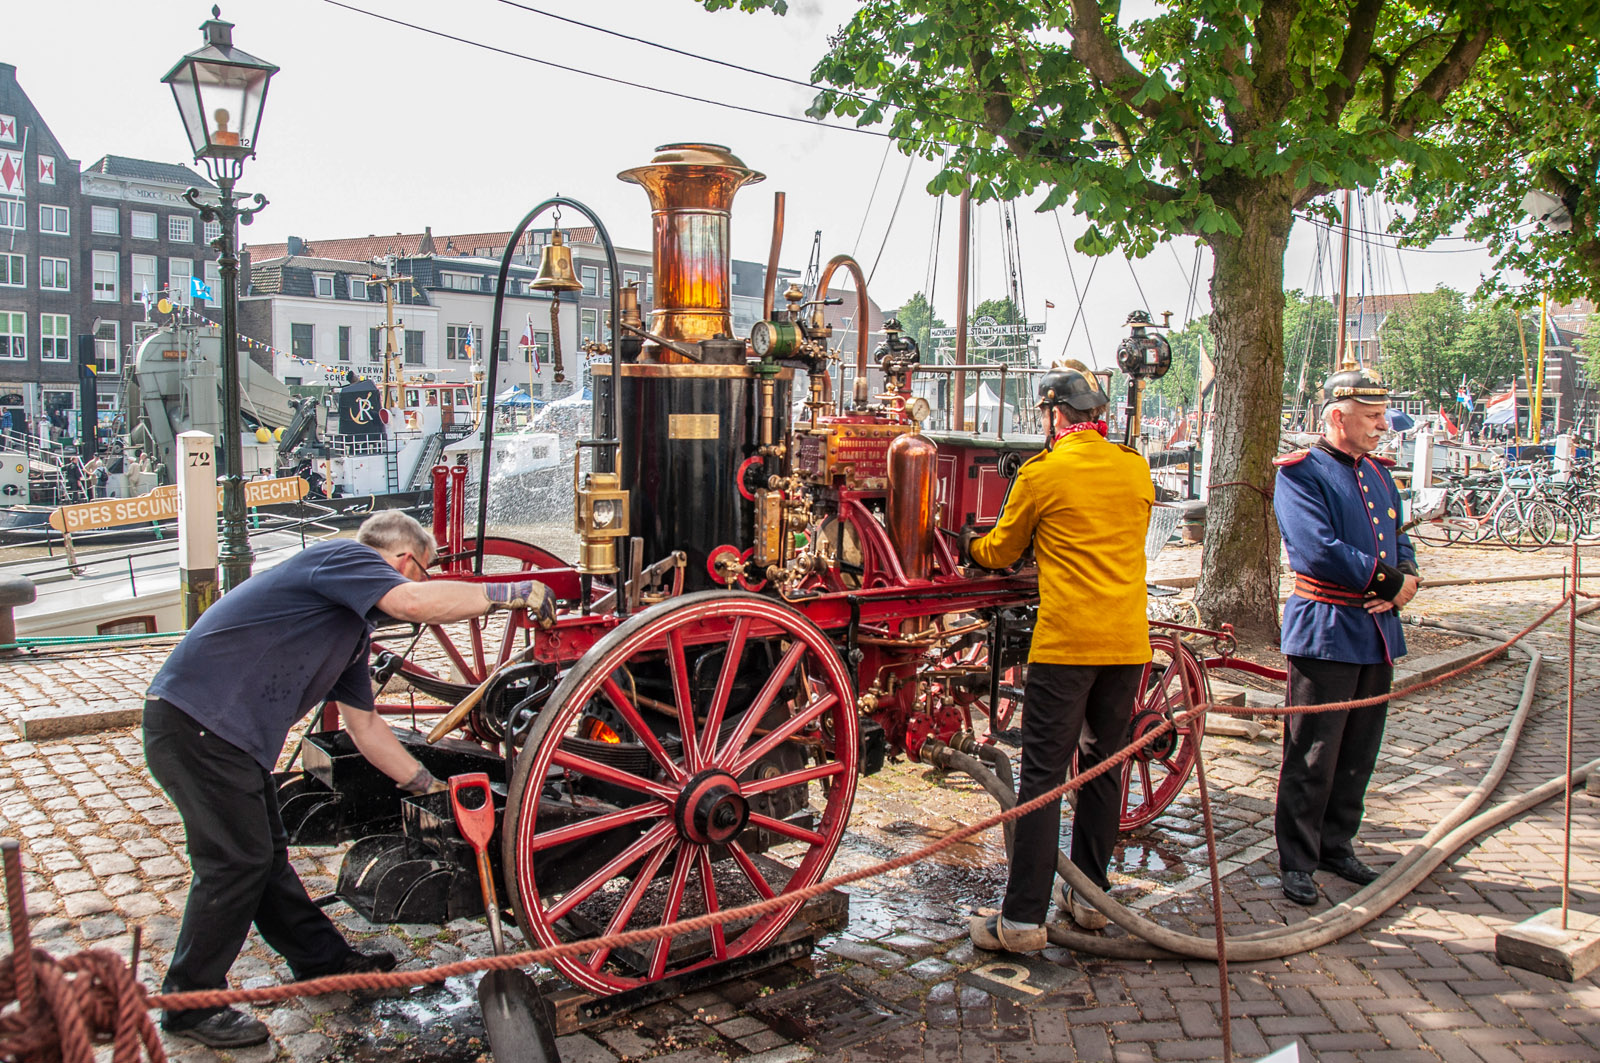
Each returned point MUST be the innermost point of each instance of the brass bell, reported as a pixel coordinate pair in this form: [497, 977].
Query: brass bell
[555, 267]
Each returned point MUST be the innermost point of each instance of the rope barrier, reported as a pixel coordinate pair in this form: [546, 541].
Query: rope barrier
[103, 995]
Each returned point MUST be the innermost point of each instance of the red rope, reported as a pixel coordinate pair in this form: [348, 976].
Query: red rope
[105, 994]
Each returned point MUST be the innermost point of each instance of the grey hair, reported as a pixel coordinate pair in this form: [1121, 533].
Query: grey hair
[1346, 405]
[393, 531]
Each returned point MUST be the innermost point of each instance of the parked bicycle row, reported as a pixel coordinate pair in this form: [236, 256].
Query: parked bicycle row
[1523, 505]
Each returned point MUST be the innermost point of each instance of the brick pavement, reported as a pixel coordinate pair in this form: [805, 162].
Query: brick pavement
[104, 852]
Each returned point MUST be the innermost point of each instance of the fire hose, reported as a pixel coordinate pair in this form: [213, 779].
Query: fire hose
[1151, 940]
[44, 1031]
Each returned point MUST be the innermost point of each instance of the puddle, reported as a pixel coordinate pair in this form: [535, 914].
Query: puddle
[432, 1024]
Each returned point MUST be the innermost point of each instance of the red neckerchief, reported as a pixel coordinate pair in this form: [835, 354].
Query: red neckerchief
[1081, 426]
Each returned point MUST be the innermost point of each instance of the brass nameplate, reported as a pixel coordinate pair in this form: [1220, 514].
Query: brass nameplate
[694, 426]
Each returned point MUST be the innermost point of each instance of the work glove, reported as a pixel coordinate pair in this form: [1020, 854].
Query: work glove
[964, 545]
[423, 782]
[523, 594]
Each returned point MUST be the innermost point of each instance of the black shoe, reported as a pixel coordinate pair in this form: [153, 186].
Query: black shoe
[1351, 870]
[1300, 887]
[226, 1029]
[354, 963]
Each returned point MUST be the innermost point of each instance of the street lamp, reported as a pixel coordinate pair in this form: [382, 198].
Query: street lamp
[220, 92]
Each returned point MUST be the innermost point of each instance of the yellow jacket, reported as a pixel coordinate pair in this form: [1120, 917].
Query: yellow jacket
[1085, 507]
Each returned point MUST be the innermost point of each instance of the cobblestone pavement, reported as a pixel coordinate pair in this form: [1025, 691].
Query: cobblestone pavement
[104, 853]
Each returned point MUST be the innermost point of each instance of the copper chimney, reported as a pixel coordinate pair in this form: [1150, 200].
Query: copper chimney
[691, 188]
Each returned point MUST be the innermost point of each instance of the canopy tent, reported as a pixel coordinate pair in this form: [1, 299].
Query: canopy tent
[513, 396]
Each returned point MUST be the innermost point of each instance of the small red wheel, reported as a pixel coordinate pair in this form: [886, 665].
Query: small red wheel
[665, 751]
[1173, 682]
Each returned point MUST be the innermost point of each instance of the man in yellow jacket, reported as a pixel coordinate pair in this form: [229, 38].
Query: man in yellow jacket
[1084, 506]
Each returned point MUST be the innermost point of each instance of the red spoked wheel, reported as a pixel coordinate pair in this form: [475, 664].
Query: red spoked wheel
[1173, 682]
[681, 741]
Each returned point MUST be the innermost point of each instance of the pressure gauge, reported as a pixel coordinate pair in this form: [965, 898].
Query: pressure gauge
[918, 409]
[774, 339]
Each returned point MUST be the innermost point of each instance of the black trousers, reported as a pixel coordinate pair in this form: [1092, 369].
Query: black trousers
[239, 857]
[1327, 760]
[1068, 707]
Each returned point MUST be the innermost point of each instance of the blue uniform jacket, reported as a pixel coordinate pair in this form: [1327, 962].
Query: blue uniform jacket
[1340, 520]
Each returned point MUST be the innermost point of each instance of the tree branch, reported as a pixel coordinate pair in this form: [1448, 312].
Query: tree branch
[1446, 76]
[1353, 57]
[1105, 60]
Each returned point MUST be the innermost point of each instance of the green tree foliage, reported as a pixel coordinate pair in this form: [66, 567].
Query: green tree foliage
[918, 320]
[1530, 121]
[1210, 119]
[1310, 333]
[1435, 341]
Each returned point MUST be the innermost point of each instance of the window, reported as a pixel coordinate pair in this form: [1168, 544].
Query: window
[589, 330]
[179, 273]
[144, 276]
[414, 346]
[322, 284]
[293, 381]
[13, 271]
[650, 290]
[103, 220]
[344, 343]
[591, 279]
[505, 345]
[535, 391]
[456, 340]
[300, 340]
[13, 335]
[142, 225]
[13, 214]
[54, 275]
[180, 228]
[54, 220]
[55, 338]
[630, 276]
[358, 288]
[105, 276]
[374, 344]
[736, 280]
[214, 283]
[212, 231]
[541, 344]
[105, 347]
[605, 283]
[461, 282]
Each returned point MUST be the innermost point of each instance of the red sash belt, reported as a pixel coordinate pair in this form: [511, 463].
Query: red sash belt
[1327, 593]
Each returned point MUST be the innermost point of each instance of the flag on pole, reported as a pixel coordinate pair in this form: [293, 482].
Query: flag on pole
[466, 347]
[531, 345]
[1463, 395]
[1444, 419]
[1502, 409]
[144, 299]
[1048, 305]
[199, 289]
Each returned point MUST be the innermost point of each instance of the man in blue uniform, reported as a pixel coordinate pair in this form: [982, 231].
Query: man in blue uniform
[215, 721]
[1339, 513]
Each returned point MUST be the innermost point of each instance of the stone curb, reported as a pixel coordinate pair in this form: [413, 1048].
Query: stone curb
[76, 717]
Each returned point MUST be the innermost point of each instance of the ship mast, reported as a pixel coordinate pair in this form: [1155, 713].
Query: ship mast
[391, 363]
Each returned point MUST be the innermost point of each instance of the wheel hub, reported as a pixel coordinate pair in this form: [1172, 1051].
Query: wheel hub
[710, 810]
[1161, 748]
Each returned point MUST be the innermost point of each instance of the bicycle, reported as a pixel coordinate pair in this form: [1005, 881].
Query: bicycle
[1519, 520]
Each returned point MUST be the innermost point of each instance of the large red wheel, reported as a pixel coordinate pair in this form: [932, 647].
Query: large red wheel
[1173, 682]
[680, 740]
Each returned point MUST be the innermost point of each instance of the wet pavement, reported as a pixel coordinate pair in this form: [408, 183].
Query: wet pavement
[900, 981]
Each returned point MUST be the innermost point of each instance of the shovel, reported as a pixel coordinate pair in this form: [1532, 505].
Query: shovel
[516, 1018]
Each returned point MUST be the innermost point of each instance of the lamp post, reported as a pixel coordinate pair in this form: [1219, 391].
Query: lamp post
[220, 92]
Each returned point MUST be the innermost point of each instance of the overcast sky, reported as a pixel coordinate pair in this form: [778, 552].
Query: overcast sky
[375, 128]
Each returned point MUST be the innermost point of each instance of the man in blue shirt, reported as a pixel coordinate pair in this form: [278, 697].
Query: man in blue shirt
[216, 718]
[1339, 513]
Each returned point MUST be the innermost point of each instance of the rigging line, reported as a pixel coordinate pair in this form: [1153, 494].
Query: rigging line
[1319, 223]
[1137, 286]
[813, 123]
[930, 278]
[871, 197]
[1081, 294]
[1194, 284]
[1405, 282]
[893, 214]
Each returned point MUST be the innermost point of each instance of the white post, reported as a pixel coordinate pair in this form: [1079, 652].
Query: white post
[1563, 456]
[197, 523]
[1422, 461]
[1206, 440]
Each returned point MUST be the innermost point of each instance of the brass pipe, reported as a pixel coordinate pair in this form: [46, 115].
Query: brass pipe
[769, 294]
[862, 322]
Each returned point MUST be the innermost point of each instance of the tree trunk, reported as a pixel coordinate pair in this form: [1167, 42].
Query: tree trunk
[1239, 566]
